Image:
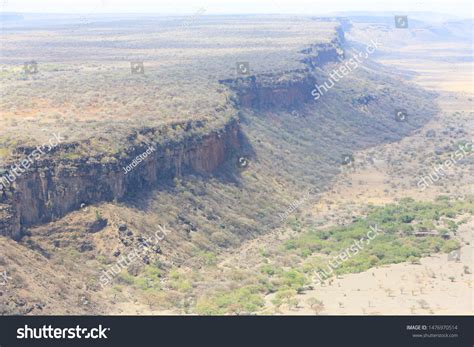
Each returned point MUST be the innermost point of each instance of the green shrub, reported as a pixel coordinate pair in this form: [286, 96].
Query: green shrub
[241, 300]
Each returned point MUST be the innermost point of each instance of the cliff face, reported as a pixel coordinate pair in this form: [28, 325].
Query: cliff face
[319, 55]
[56, 187]
[270, 91]
[290, 88]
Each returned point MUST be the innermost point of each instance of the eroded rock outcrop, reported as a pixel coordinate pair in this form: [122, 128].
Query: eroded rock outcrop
[287, 89]
[54, 187]
[266, 91]
[57, 185]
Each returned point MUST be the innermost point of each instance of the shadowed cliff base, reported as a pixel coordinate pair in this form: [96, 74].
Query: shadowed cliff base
[213, 205]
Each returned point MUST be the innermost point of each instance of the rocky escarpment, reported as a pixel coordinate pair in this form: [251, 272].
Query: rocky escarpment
[54, 187]
[290, 88]
[266, 91]
[58, 184]
[323, 53]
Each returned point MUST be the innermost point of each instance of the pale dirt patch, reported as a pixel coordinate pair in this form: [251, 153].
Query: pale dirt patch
[436, 286]
[388, 173]
[382, 175]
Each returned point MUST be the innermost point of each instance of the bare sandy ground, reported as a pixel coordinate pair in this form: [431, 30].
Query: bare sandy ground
[436, 286]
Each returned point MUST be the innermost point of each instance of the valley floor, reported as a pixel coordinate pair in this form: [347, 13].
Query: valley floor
[437, 285]
[429, 287]
[385, 174]
[379, 175]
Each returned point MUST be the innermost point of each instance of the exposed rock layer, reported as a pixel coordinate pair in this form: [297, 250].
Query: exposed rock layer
[290, 88]
[53, 187]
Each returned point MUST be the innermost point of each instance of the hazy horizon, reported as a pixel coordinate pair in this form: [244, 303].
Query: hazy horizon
[459, 8]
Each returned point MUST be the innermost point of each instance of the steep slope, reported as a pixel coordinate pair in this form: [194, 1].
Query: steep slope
[199, 188]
